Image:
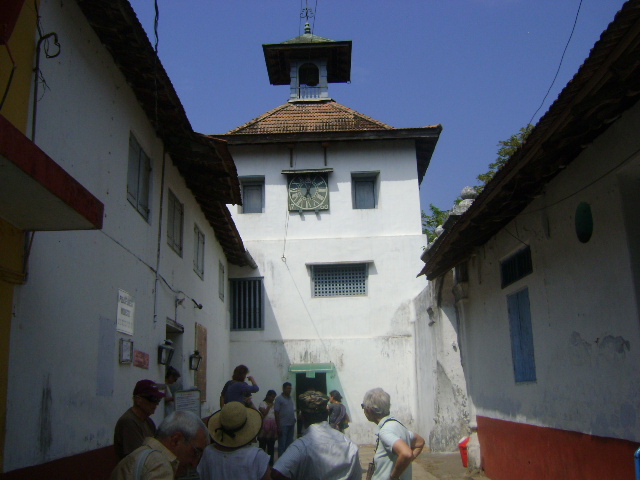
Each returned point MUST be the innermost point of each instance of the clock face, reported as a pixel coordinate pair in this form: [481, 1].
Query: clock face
[308, 191]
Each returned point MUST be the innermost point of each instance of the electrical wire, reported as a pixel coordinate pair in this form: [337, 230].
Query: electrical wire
[560, 65]
[153, 270]
[13, 71]
[597, 179]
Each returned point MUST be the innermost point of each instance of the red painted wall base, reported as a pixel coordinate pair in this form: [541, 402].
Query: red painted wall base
[93, 465]
[516, 451]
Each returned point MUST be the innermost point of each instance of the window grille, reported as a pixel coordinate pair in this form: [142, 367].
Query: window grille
[339, 280]
[175, 223]
[246, 304]
[516, 266]
[198, 251]
[138, 177]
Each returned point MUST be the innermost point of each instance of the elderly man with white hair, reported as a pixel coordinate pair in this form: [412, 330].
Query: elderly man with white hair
[180, 440]
[396, 447]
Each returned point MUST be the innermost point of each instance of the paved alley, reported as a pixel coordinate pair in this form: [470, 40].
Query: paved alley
[430, 466]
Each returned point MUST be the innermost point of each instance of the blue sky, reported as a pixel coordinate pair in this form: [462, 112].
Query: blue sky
[480, 68]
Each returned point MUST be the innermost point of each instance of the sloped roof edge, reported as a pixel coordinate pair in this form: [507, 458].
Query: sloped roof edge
[607, 84]
[196, 156]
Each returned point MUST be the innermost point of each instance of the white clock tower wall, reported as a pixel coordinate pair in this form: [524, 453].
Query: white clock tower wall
[369, 338]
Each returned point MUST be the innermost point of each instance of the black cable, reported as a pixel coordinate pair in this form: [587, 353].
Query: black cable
[560, 65]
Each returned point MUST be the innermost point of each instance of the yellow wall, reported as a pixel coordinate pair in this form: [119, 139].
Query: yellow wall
[16, 110]
[22, 46]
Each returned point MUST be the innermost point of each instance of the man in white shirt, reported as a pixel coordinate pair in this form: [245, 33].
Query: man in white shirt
[322, 452]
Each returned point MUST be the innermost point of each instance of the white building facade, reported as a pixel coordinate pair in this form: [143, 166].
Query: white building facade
[331, 216]
[156, 270]
[545, 282]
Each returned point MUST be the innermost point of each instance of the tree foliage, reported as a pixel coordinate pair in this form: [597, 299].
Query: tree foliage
[431, 222]
[506, 149]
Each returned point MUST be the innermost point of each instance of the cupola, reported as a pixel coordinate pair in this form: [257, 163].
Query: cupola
[308, 64]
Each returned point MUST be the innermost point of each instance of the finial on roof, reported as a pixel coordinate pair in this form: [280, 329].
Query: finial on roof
[307, 13]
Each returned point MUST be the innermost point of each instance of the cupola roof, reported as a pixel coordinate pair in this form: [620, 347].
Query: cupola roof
[278, 57]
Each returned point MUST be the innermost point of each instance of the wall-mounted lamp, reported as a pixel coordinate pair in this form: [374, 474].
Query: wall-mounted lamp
[194, 360]
[165, 352]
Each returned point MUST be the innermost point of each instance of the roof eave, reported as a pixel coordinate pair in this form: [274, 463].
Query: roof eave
[607, 84]
[205, 164]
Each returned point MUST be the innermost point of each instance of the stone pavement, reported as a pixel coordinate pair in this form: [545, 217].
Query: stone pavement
[430, 466]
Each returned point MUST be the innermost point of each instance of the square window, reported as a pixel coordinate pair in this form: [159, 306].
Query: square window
[138, 177]
[246, 303]
[175, 223]
[339, 280]
[198, 251]
[364, 189]
[252, 194]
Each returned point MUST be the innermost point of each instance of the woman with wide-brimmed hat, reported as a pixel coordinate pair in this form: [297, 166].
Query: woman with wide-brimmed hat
[231, 455]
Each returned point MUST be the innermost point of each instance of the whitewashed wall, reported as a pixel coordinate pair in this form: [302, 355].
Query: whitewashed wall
[584, 300]
[66, 387]
[370, 339]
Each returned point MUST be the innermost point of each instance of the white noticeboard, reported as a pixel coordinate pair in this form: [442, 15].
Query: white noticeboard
[188, 400]
[126, 310]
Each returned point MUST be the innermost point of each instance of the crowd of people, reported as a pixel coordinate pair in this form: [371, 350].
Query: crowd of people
[238, 441]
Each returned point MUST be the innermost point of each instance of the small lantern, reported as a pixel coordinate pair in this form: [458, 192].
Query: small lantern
[165, 352]
[194, 360]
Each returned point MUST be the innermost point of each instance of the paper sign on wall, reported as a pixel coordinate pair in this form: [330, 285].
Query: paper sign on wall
[126, 310]
[189, 400]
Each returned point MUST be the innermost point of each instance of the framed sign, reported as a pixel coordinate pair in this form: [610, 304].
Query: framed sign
[126, 350]
[126, 311]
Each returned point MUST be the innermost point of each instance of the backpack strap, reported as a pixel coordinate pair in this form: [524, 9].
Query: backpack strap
[142, 458]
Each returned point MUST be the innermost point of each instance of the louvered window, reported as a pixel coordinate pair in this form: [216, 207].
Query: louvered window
[246, 303]
[175, 223]
[138, 177]
[339, 280]
[198, 251]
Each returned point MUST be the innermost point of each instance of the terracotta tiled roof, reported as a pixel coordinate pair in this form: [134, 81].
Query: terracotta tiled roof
[310, 117]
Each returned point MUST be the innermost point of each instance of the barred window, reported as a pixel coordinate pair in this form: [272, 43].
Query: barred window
[516, 266]
[246, 303]
[339, 280]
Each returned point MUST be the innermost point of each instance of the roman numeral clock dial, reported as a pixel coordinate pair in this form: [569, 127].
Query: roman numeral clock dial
[308, 192]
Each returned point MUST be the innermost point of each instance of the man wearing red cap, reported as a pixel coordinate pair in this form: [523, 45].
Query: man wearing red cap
[134, 425]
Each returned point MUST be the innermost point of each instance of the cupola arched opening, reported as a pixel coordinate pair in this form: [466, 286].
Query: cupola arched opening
[309, 74]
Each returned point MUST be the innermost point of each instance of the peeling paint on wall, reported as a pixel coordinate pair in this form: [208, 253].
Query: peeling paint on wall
[452, 416]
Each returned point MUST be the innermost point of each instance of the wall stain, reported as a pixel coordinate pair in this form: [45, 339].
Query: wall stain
[46, 435]
[608, 349]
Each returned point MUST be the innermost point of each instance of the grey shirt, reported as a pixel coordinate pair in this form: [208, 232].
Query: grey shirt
[285, 409]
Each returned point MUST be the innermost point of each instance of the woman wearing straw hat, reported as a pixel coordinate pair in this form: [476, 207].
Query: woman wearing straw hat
[231, 456]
